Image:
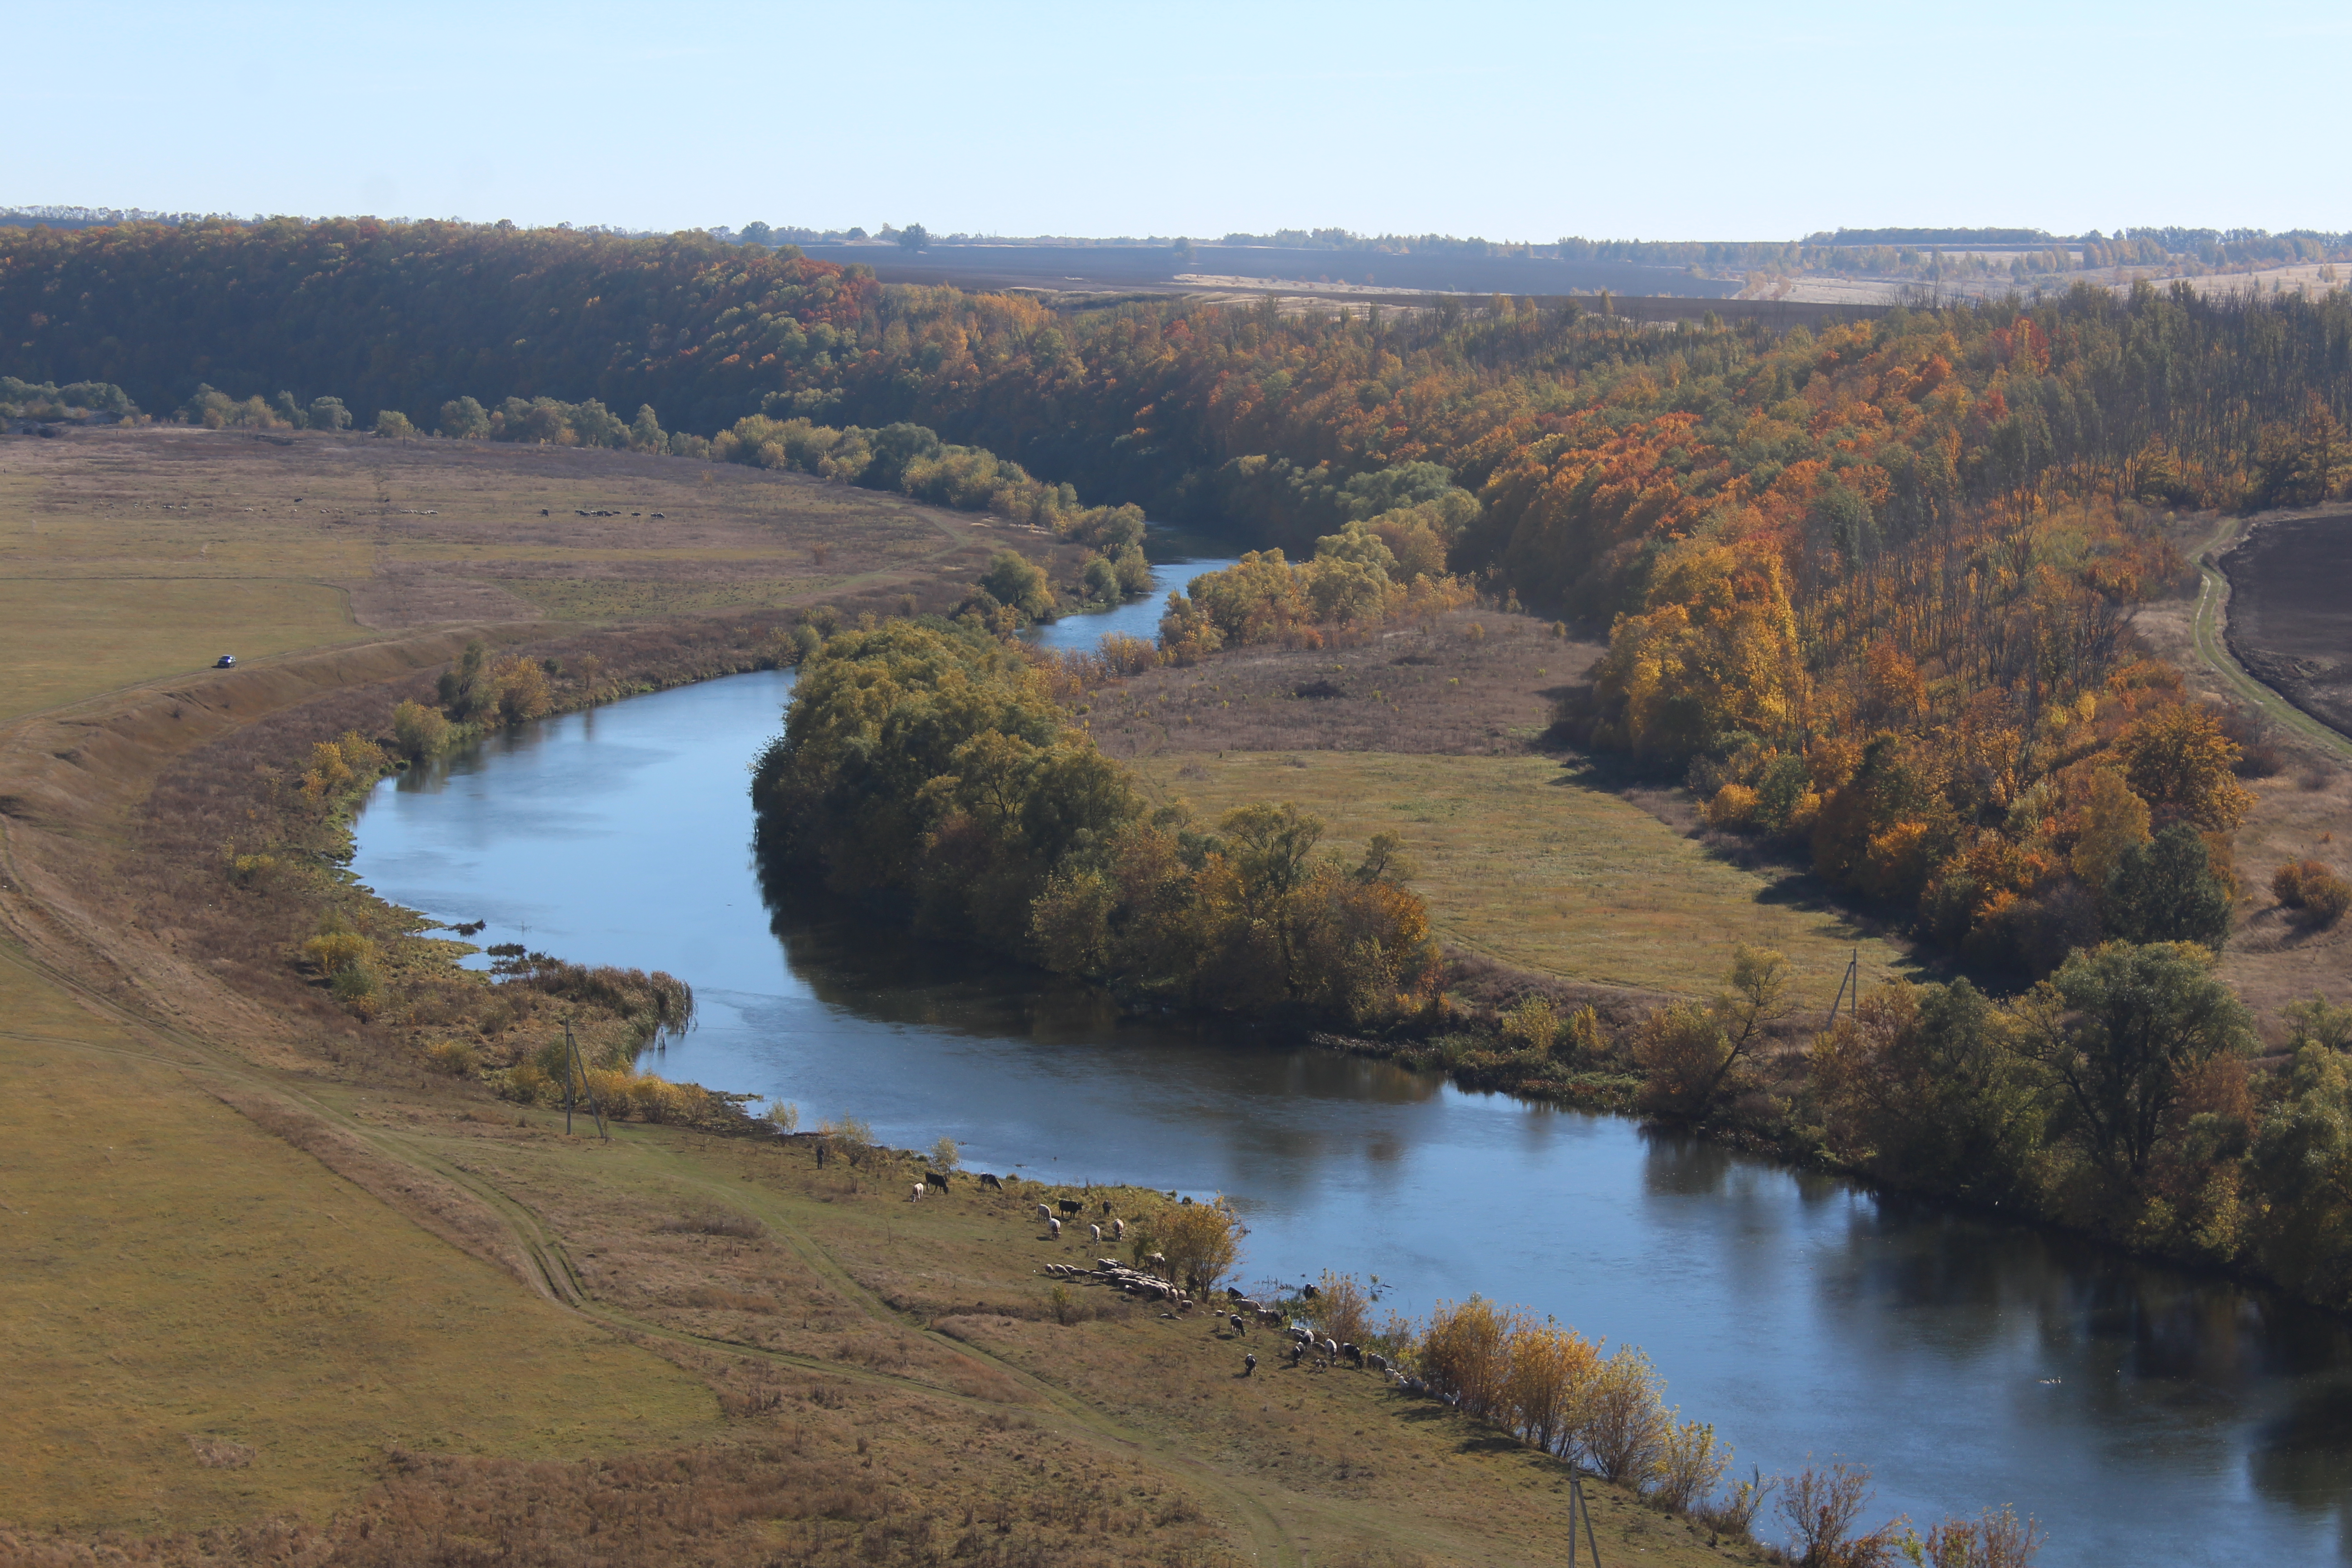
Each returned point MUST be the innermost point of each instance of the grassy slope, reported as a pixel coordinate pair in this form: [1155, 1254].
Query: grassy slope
[180, 1277]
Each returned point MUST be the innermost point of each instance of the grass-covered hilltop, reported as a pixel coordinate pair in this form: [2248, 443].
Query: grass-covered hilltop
[1589, 694]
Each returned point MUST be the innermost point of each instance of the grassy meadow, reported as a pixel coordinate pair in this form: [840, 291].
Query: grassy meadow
[1523, 861]
[206, 1324]
[134, 555]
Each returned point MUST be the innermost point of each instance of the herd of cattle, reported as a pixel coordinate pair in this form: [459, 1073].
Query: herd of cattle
[1151, 1283]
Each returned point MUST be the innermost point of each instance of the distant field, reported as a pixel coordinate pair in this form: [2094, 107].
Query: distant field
[1521, 862]
[126, 555]
[2289, 623]
[181, 1283]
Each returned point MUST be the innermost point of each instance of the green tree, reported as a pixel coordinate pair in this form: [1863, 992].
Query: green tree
[1013, 579]
[646, 433]
[327, 413]
[1271, 847]
[464, 419]
[2165, 890]
[914, 237]
[2118, 1029]
[393, 423]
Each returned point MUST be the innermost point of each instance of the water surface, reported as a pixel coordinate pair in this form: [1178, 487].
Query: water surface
[2144, 1415]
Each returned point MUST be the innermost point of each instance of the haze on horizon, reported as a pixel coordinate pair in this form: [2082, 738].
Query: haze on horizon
[1510, 121]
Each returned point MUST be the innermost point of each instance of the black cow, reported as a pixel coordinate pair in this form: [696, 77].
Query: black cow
[935, 1179]
[1072, 1207]
[991, 1182]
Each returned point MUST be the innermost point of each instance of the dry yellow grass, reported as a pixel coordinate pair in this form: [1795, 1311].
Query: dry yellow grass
[1522, 863]
[204, 1324]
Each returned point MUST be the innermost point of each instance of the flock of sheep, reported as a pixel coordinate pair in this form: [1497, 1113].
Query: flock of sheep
[1151, 1284]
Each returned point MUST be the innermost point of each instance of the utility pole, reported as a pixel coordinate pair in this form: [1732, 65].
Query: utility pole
[1849, 988]
[574, 1061]
[1577, 1509]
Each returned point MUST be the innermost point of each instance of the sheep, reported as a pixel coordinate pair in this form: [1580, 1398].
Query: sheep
[1297, 1350]
[1158, 1261]
[1269, 1317]
[1118, 1230]
[1240, 1323]
[1376, 1360]
[1056, 1225]
[1301, 1335]
[1330, 1349]
[916, 1194]
[1249, 1364]
[1044, 1213]
[1096, 1231]
[1353, 1353]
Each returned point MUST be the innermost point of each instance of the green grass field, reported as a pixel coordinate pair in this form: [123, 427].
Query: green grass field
[182, 1286]
[64, 640]
[1522, 863]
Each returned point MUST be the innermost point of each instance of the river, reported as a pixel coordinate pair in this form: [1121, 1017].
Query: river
[2143, 1414]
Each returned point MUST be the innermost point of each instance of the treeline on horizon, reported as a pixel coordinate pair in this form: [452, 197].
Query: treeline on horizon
[1867, 586]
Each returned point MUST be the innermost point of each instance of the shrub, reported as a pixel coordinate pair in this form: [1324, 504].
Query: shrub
[251, 870]
[456, 1057]
[848, 1134]
[2326, 898]
[1821, 1507]
[1683, 1054]
[419, 731]
[1201, 1242]
[521, 687]
[785, 1115]
[358, 988]
[1533, 1025]
[945, 1155]
[332, 952]
[1342, 1308]
[1465, 1354]
[1626, 1425]
[2312, 889]
[1734, 808]
[1690, 1465]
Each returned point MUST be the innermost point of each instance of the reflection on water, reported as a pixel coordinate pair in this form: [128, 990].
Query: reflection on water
[2145, 1416]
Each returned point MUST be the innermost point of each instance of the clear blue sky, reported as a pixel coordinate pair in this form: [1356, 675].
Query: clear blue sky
[1520, 121]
